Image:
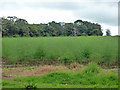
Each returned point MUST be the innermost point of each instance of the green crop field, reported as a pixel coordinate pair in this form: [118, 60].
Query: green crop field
[65, 49]
[68, 51]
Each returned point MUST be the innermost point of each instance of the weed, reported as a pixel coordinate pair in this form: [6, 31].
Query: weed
[30, 85]
[57, 77]
[65, 79]
[92, 68]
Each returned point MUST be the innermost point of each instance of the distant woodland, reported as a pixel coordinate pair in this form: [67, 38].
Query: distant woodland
[17, 27]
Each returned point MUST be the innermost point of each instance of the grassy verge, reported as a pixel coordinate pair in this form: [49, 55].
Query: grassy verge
[90, 77]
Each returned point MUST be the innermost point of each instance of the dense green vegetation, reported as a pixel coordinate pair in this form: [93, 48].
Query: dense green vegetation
[16, 27]
[95, 78]
[64, 49]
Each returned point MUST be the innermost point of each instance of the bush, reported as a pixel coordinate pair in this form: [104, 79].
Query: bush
[91, 68]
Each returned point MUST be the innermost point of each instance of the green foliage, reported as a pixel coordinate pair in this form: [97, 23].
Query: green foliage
[12, 26]
[4, 83]
[30, 85]
[95, 32]
[16, 35]
[66, 79]
[10, 83]
[65, 49]
[92, 68]
[57, 77]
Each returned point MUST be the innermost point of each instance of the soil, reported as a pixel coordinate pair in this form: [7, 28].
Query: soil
[38, 68]
[12, 72]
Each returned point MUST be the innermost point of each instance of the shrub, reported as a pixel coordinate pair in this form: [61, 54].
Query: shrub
[91, 68]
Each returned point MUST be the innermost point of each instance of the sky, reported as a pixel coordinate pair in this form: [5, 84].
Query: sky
[103, 12]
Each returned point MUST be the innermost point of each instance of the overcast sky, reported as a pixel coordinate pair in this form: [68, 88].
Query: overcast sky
[104, 12]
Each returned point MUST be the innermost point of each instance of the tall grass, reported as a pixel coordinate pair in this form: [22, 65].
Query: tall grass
[94, 48]
[92, 68]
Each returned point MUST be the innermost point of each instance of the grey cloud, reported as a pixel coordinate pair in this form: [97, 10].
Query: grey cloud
[56, 5]
[37, 5]
[101, 12]
[9, 6]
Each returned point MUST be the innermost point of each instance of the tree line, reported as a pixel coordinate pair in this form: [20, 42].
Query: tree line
[17, 27]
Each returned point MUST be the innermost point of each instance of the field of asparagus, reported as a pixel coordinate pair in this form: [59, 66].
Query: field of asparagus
[62, 49]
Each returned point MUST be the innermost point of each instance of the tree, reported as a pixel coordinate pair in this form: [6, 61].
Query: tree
[22, 24]
[8, 27]
[108, 33]
[33, 30]
[95, 32]
[13, 26]
[69, 29]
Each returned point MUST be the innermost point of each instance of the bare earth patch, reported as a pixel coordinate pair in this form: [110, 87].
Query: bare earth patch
[9, 73]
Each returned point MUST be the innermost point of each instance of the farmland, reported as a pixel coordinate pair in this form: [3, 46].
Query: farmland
[65, 49]
[60, 62]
